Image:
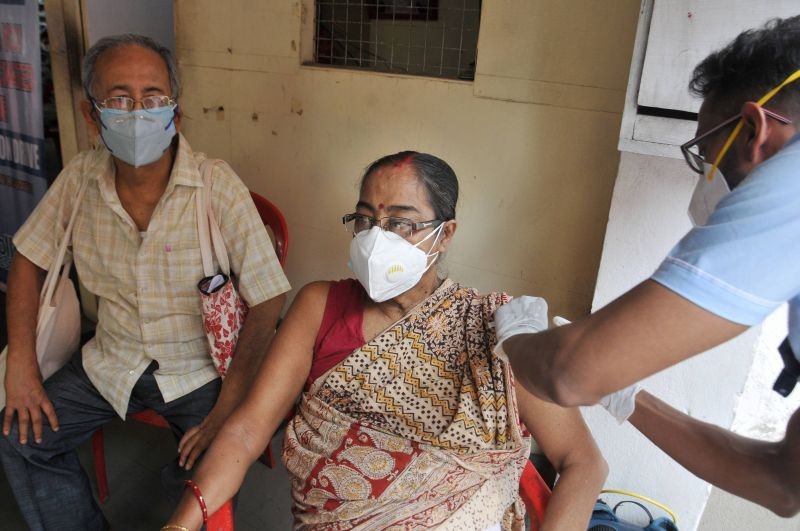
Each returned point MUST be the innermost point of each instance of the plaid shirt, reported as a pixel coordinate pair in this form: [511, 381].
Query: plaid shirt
[146, 284]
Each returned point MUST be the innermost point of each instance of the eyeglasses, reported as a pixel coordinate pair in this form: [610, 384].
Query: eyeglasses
[691, 149]
[403, 227]
[126, 104]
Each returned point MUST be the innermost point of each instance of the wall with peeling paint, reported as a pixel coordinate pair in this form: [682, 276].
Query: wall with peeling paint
[535, 160]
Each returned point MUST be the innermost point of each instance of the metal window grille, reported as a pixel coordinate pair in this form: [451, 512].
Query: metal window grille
[423, 37]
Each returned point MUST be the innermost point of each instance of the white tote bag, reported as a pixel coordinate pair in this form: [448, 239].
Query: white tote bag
[58, 325]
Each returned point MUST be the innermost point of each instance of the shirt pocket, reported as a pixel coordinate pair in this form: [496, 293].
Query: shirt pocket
[181, 269]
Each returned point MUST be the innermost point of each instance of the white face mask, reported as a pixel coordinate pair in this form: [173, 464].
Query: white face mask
[138, 137]
[386, 264]
[707, 195]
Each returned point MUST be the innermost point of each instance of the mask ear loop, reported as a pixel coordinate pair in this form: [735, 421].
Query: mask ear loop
[764, 99]
[96, 112]
[438, 231]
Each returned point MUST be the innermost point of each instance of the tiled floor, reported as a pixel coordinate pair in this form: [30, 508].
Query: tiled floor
[134, 456]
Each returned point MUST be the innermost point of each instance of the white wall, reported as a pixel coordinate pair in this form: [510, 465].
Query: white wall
[153, 18]
[647, 216]
[760, 414]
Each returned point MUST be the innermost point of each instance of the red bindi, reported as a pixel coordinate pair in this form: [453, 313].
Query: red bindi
[380, 205]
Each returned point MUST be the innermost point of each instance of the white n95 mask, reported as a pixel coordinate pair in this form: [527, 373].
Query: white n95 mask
[386, 264]
[707, 195]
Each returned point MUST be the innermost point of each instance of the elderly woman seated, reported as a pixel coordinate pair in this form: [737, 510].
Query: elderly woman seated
[406, 417]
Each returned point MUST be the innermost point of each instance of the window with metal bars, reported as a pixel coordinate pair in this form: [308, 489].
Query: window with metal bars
[423, 37]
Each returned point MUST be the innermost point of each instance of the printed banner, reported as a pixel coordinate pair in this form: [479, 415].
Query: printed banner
[22, 177]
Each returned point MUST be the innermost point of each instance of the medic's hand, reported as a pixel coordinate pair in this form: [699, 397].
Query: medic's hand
[523, 315]
[622, 403]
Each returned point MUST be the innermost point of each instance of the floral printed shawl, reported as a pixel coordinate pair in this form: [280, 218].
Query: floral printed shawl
[418, 428]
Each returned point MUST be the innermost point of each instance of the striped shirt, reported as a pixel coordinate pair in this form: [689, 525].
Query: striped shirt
[146, 284]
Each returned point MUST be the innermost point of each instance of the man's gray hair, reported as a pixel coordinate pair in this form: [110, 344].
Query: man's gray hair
[105, 44]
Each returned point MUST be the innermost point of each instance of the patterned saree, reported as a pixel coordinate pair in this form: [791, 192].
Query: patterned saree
[416, 429]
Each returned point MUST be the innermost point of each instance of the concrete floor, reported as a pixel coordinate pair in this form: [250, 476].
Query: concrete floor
[134, 455]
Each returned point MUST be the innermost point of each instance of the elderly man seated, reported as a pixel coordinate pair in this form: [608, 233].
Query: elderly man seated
[135, 246]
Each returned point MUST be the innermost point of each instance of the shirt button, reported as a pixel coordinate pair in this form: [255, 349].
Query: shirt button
[131, 371]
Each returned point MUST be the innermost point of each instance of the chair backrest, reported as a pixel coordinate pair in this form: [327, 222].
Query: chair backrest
[273, 218]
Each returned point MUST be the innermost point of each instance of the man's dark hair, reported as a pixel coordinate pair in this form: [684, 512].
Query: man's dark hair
[438, 177]
[753, 63]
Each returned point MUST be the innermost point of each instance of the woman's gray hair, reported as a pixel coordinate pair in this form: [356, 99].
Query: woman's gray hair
[105, 44]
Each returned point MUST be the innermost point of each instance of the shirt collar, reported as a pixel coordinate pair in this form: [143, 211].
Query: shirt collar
[99, 165]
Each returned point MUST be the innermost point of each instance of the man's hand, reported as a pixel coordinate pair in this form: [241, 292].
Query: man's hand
[522, 315]
[25, 396]
[195, 441]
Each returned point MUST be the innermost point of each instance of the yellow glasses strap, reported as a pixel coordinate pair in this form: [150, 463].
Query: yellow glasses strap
[764, 99]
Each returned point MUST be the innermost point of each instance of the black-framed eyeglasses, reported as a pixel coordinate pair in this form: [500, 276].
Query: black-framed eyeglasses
[153, 103]
[691, 149]
[403, 227]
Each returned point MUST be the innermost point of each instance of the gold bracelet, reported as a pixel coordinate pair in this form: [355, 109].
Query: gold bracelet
[174, 527]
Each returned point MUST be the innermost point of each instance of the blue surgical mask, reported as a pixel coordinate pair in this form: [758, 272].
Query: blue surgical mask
[137, 137]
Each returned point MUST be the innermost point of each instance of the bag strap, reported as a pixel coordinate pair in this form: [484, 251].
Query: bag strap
[211, 240]
[54, 272]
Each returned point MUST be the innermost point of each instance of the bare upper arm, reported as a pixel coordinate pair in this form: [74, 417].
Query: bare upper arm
[287, 362]
[22, 266]
[644, 331]
[560, 432]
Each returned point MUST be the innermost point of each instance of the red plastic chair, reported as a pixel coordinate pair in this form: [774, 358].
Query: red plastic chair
[274, 220]
[534, 493]
[222, 518]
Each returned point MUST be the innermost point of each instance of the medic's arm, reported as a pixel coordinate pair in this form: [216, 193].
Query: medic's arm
[644, 331]
[767, 473]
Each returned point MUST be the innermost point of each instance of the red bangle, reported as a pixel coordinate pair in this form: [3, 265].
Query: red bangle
[199, 495]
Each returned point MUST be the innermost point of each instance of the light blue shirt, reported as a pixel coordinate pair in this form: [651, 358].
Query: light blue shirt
[745, 262]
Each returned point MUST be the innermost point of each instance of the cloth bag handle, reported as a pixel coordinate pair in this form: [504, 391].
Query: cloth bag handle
[53, 273]
[211, 242]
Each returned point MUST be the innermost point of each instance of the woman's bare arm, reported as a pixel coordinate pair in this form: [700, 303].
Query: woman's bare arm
[564, 438]
[246, 433]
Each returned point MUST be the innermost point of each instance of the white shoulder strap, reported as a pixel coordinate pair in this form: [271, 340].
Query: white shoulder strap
[211, 240]
[53, 273]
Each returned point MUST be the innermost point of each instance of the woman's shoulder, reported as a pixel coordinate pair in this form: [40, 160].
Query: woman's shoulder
[316, 293]
[493, 299]
[313, 292]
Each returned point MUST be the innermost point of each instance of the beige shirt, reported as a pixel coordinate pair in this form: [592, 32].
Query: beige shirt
[148, 302]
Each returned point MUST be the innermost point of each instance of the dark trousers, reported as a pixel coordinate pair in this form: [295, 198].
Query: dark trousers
[49, 484]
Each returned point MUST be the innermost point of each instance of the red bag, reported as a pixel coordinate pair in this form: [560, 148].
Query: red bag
[224, 311]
